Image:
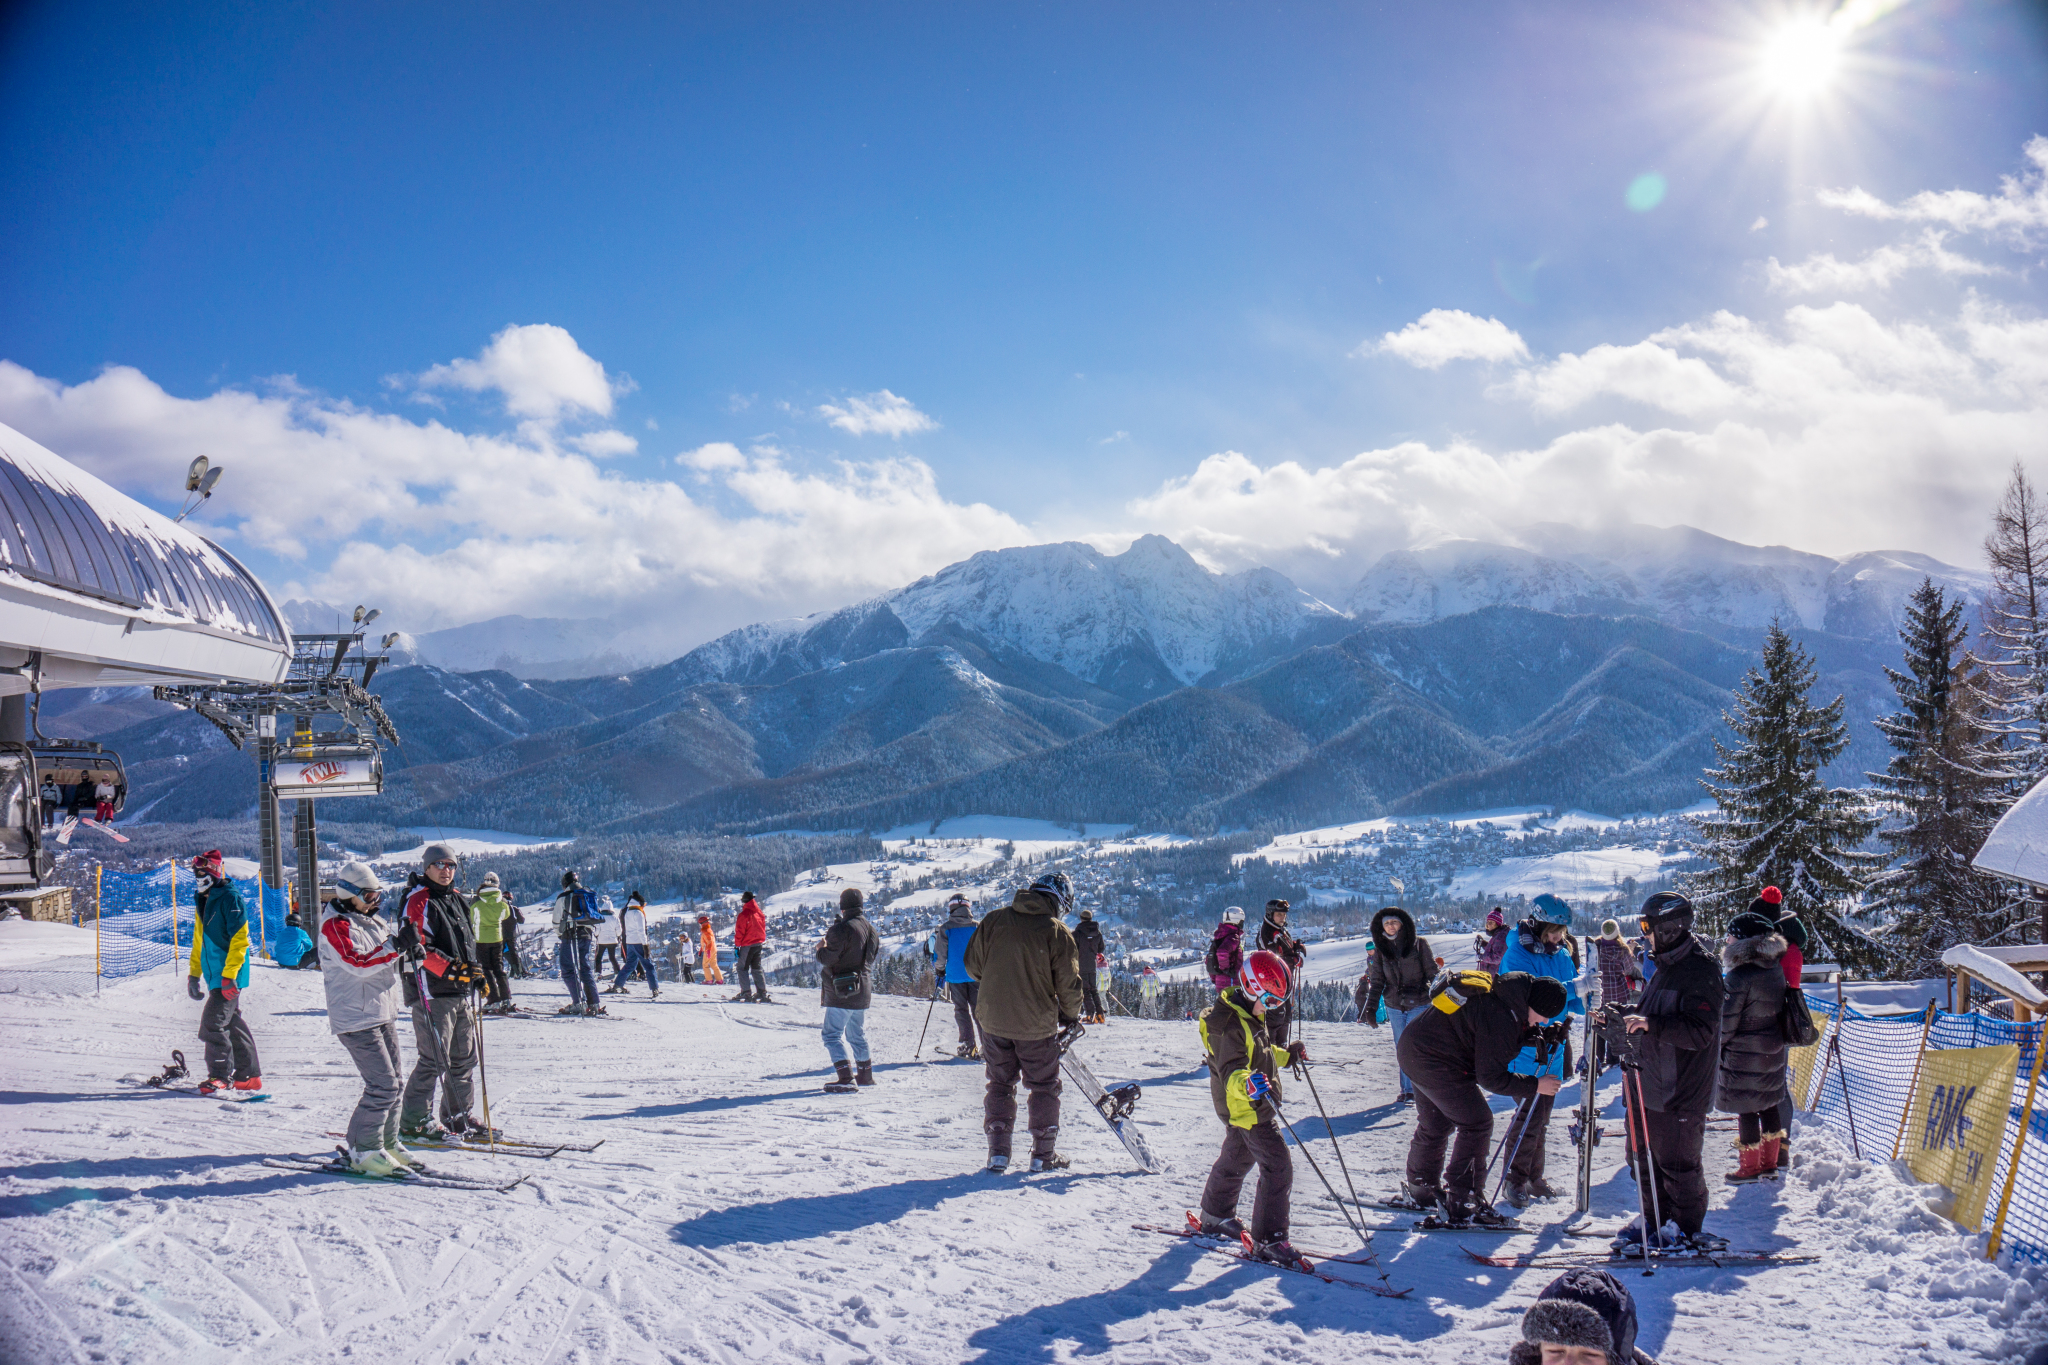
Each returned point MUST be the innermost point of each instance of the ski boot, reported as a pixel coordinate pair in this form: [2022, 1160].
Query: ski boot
[1049, 1161]
[592, 1011]
[1421, 1198]
[1471, 1212]
[213, 1085]
[433, 1130]
[863, 1073]
[1516, 1194]
[1229, 1229]
[471, 1129]
[1629, 1241]
[1279, 1251]
[249, 1083]
[1539, 1188]
[1704, 1243]
[401, 1155]
[375, 1161]
[571, 1008]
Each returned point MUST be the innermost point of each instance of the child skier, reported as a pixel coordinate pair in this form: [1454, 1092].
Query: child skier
[220, 960]
[1226, 949]
[1244, 1084]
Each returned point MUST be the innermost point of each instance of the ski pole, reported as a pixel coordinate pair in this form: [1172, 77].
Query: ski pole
[1516, 1118]
[483, 1074]
[1528, 1112]
[1646, 1185]
[1335, 1198]
[1309, 1076]
[927, 1025]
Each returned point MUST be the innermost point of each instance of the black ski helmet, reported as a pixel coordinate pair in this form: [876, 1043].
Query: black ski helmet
[1664, 906]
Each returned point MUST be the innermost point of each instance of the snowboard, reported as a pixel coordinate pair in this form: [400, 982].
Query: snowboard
[107, 830]
[1114, 1106]
[69, 828]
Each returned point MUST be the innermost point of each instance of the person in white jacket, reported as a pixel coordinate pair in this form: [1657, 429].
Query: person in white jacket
[606, 934]
[359, 967]
[633, 930]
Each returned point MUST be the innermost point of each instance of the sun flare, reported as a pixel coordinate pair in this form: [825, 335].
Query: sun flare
[1801, 59]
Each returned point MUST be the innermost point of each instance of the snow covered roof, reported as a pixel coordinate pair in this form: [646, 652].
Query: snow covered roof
[2018, 845]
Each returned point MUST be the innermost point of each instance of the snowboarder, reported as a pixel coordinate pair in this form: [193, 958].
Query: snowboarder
[633, 932]
[574, 916]
[1244, 1085]
[359, 967]
[749, 941]
[605, 934]
[490, 919]
[103, 793]
[1680, 1016]
[1621, 976]
[1477, 1026]
[1583, 1317]
[1226, 949]
[220, 960]
[1274, 938]
[1541, 945]
[1493, 941]
[950, 944]
[443, 975]
[1088, 943]
[1752, 1043]
[1030, 976]
[847, 953]
[1399, 972]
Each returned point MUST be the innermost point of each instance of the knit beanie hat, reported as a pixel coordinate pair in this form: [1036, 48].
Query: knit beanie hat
[1496, 917]
[1770, 904]
[1609, 929]
[490, 879]
[635, 898]
[1749, 924]
[849, 899]
[1547, 996]
[747, 899]
[437, 853]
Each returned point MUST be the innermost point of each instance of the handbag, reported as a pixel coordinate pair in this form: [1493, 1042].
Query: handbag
[1795, 1021]
[847, 983]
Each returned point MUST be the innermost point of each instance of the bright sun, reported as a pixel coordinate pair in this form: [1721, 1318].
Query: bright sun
[1801, 58]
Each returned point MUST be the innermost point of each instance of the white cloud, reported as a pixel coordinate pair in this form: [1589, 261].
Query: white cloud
[1445, 334]
[880, 413]
[1760, 224]
[2018, 209]
[1823, 273]
[539, 369]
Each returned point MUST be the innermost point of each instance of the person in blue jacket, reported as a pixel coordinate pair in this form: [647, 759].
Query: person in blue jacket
[218, 974]
[1542, 945]
[949, 946]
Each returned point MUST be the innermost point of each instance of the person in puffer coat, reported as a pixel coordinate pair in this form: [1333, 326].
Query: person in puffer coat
[1398, 972]
[1541, 945]
[1581, 1310]
[359, 966]
[1030, 975]
[845, 987]
[1621, 976]
[1491, 944]
[440, 948]
[1752, 1046]
[218, 974]
[491, 920]
[1226, 949]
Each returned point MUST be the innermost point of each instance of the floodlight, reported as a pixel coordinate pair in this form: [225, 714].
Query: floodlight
[194, 473]
[369, 616]
[212, 477]
[358, 617]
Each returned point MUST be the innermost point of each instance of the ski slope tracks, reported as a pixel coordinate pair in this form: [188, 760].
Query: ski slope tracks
[735, 1213]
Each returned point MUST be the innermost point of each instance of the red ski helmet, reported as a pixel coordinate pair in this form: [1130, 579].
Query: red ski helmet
[1263, 977]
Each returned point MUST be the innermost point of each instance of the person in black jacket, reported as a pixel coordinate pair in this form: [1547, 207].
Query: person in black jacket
[1680, 1018]
[1399, 972]
[1459, 1046]
[1274, 938]
[1088, 942]
[846, 953]
[1752, 1044]
[440, 952]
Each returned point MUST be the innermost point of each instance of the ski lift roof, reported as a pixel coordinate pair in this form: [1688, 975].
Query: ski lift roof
[108, 591]
[2018, 844]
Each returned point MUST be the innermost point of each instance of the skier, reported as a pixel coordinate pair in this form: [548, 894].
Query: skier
[1541, 945]
[1274, 938]
[1583, 1317]
[1494, 941]
[633, 932]
[1476, 1028]
[1752, 1044]
[440, 950]
[1226, 949]
[605, 934]
[359, 968]
[52, 797]
[574, 916]
[1030, 976]
[103, 793]
[490, 920]
[1680, 1016]
[749, 941]
[220, 960]
[950, 946]
[1088, 943]
[847, 952]
[1399, 972]
[1621, 976]
[1244, 1085]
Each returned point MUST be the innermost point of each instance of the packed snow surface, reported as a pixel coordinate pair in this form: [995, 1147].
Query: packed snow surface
[736, 1213]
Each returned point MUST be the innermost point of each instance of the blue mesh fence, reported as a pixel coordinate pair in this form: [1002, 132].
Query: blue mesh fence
[1863, 1087]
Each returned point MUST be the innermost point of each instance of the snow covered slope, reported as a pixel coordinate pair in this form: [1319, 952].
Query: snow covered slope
[735, 1213]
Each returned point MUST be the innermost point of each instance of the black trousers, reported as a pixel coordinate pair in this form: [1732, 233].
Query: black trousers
[1440, 1110]
[964, 995]
[747, 971]
[497, 989]
[1277, 1021]
[230, 1047]
[1260, 1144]
[597, 964]
[512, 963]
[1035, 1061]
[1091, 998]
[1676, 1141]
[1528, 1161]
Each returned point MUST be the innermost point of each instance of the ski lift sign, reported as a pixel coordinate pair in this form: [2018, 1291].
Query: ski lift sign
[299, 779]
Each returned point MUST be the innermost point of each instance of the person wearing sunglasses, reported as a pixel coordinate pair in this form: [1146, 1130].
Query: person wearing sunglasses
[359, 968]
[1245, 1062]
[443, 971]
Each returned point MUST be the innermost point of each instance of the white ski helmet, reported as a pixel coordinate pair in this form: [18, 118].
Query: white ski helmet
[357, 881]
[1233, 914]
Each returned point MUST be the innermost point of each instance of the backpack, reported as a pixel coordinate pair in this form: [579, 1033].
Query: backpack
[1453, 989]
[582, 909]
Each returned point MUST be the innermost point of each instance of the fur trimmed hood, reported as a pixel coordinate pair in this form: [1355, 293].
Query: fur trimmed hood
[1762, 951]
[1403, 942]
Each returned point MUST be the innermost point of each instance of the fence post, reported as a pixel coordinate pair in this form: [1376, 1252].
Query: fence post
[96, 917]
[2019, 1144]
[1906, 1114]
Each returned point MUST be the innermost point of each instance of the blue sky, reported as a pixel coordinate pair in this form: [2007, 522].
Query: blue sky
[1084, 248]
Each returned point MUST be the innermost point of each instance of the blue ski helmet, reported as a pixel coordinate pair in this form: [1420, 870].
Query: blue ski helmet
[1056, 885]
[1551, 910]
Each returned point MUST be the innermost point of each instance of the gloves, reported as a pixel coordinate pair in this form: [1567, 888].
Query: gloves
[230, 991]
[1370, 1018]
[194, 989]
[1297, 1053]
[1257, 1087]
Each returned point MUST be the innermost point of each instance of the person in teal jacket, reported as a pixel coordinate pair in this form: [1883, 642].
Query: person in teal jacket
[218, 974]
[1541, 945]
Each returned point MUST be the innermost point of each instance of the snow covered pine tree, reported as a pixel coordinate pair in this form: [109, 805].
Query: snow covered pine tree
[2014, 617]
[1774, 822]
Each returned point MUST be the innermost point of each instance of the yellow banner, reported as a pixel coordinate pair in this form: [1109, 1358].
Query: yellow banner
[1958, 1122]
[1801, 1060]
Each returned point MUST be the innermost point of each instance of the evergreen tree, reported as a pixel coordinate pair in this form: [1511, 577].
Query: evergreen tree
[1946, 798]
[2016, 635]
[1775, 823]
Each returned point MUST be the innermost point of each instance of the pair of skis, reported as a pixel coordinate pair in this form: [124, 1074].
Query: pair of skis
[71, 827]
[338, 1165]
[1241, 1250]
[1432, 1220]
[501, 1147]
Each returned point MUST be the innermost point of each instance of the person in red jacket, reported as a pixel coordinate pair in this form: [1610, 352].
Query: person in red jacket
[749, 940]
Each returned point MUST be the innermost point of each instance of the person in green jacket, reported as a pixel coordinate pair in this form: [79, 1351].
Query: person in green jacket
[1244, 1084]
[218, 975]
[490, 917]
